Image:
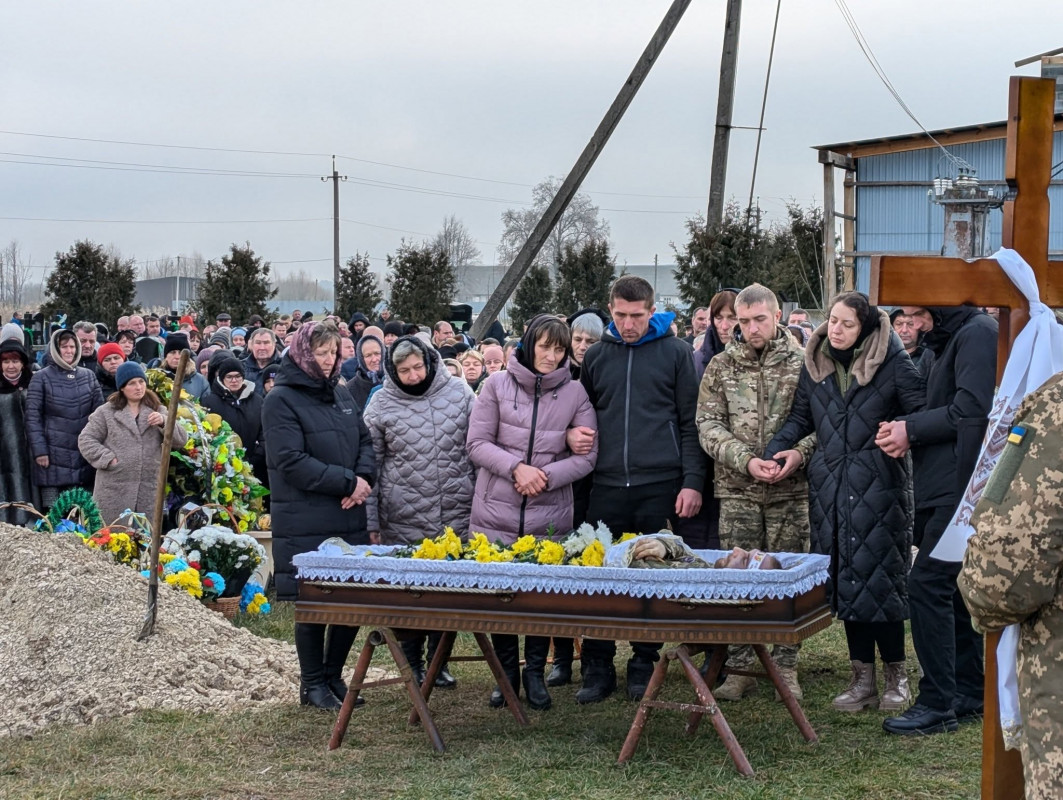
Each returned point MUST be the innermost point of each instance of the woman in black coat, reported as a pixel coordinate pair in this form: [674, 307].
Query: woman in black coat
[15, 484]
[235, 399]
[59, 400]
[856, 375]
[321, 468]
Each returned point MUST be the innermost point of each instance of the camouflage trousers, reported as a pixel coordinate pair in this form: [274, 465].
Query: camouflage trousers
[780, 527]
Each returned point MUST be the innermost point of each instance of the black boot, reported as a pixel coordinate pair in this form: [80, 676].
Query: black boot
[507, 648]
[310, 647]
[599, 681]
[561, 673]
[338, 642]
[639, 671]
[413, 648]
[536, 649]
[444, 680]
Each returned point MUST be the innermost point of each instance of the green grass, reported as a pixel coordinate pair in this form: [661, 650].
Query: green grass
[567, 752]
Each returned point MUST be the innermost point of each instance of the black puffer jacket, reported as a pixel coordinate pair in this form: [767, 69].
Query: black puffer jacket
[861, 505]
[316, 447]
[243, 412]
[15, 461]
[59, 400]
[947, 435]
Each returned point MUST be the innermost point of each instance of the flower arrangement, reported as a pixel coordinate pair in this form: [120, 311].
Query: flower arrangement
[124, 546]
[217, 551]
[211, 467]
[253, 600]
[584, 547]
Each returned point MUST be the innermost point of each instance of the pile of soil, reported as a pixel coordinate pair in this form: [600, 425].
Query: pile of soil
[69, 619]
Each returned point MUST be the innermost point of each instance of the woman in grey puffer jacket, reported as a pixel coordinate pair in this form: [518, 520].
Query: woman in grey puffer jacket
[418, 420]
[526, 471]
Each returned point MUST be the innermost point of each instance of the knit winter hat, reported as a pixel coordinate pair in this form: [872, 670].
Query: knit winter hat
[126, 372]
[13, 330]
[109, 349]
[393, 327]
[175, 341]
[203, 356]
[239, 332]
[227, 365]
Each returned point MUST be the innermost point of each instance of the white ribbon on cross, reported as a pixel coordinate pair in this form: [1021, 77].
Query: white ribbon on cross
[1036, 355]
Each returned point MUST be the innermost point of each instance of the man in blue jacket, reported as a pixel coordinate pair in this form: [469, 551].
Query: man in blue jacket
[650, 468]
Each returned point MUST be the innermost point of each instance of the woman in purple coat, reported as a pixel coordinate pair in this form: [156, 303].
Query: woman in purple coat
[524, 484]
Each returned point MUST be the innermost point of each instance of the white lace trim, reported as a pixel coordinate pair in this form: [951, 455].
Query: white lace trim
[801, 573]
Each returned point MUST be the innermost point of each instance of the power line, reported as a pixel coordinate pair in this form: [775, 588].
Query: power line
[763, 106]
[322, 155]
[850, 20]
[169, 221]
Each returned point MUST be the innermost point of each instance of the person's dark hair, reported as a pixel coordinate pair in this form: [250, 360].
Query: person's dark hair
[126, 334]
[795, 311]
[721, 301]
[152, 318]
[557, 334]
[118, 400]
[858, 302]
[633, 289]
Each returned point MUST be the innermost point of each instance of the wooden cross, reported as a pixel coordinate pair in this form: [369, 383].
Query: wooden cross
[930, 281]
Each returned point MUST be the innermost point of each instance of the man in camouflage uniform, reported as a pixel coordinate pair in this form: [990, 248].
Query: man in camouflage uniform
[745, 397]
[1012, 570]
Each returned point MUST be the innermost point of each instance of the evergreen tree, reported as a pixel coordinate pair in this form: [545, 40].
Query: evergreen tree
[534, 295]
[785, 257]
[422, 283]
[584, 276]
[239, 284]
[89, 283]
[358, 289]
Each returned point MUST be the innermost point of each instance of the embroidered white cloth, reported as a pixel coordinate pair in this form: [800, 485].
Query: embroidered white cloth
[1036, 355]
[371, 564]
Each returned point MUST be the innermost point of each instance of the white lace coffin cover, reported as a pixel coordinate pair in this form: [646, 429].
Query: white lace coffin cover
[337, 561]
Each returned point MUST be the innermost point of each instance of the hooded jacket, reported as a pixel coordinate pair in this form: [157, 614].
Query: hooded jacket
[253, 372]
[946, 435]
[645, 397]
[710, 346]
[357, 316]
[522, 417]
[744, 399]
[426, 477]
[59, 400]
[316, 449]
[861, 505]
[360, 379]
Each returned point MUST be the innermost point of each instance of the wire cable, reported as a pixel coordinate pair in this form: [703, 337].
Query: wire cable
[850, 20]
[763, 106]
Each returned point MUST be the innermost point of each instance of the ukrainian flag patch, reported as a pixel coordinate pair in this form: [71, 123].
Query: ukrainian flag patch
[1019, 440]
[1017, 434]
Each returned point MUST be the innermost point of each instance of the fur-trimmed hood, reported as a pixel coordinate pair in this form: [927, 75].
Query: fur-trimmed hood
[866, 362]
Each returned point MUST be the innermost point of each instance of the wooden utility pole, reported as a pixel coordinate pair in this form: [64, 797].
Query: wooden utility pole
[335, 177]
[724, 108]
[579, 171]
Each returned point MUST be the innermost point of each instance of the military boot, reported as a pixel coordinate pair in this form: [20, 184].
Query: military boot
[862, 691]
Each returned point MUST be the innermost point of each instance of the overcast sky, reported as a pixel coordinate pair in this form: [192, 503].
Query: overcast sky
[499, 94]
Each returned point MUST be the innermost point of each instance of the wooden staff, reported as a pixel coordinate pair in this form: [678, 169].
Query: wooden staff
[160, 498]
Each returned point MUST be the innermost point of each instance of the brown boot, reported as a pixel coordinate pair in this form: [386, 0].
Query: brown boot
[861, 692]
[789, 677]
[735, 688]
[896, 696]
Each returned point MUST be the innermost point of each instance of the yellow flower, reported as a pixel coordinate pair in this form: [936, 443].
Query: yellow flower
[478, 540]
[549, 552]
[242, 525]
[624, 537]
[525, 544]
[166, 558]
[593, 554]
[450, 543]
[190, 445]
[238, 465]
[227, 494]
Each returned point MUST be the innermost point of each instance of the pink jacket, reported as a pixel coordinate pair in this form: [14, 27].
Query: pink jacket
[510, 418]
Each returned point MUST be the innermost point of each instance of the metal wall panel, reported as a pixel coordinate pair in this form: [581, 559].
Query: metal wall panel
[902, 219]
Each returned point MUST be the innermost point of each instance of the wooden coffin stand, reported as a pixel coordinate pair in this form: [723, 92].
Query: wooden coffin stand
[391, 611]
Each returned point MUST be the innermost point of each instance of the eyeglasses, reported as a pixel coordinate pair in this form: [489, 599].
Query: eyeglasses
[232, 377]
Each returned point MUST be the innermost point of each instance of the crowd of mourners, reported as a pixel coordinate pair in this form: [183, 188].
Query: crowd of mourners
[852, 436]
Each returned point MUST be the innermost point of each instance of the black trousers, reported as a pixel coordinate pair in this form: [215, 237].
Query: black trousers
[630, 509]
[863, 636]
[948, 647]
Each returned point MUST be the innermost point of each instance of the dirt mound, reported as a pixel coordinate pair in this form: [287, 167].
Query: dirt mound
[69, 618]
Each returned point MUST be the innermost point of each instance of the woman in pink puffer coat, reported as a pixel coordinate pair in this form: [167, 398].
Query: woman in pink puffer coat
[516, 439]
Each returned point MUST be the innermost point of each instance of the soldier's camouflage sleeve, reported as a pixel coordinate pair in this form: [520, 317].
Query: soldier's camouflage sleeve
[1011, 574]
[1012, 565]
[713, 419]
